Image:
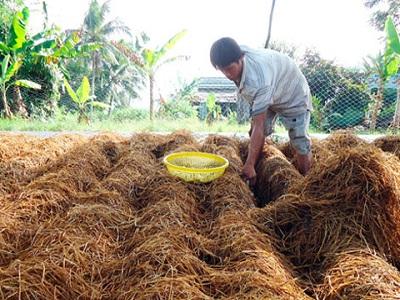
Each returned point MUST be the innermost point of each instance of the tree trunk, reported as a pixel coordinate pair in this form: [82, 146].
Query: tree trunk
[19, 102]
[6, 107]
[111, 103]
[396, 118]
[151, 78]
[93, 85]
[377, 106]
[271, 14]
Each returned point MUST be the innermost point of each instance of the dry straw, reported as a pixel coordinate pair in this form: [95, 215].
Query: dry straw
[274, 175]
[389, 144]
[351, 198]
[359, 274]
[101, 218]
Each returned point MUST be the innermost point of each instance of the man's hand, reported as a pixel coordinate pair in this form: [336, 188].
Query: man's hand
[255, 146]
[249, 174]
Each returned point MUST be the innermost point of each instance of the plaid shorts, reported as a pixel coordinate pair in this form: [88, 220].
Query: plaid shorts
[297, 127]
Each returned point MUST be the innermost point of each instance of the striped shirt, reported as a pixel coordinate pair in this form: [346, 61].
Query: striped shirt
[272, 80]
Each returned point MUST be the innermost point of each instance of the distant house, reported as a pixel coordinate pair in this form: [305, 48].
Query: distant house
[225, 94]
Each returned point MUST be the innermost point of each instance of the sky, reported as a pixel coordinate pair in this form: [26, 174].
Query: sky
[338, 30]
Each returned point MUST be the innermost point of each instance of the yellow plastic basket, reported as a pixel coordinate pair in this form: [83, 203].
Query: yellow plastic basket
[196, 166]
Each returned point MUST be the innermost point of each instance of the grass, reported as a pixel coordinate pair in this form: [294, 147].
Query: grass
[69, 123]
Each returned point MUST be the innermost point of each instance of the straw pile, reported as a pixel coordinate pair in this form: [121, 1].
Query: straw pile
[359, 274]
[349, 201]
[101, 218]
[274, 175]
[318, 149]
[20, 155]
[389, 144]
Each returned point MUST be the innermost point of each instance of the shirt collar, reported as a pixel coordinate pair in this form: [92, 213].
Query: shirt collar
[243, 77]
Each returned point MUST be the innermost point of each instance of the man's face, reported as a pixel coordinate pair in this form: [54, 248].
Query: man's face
[233, 71]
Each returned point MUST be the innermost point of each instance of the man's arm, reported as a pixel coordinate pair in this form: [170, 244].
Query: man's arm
[257, 140]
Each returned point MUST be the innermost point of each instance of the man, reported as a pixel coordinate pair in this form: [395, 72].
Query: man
[274, 86]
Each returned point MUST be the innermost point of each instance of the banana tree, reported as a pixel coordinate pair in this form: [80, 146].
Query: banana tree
[82, 99]
[47, 47]
[377, 66]
[8, 70]
[155, 58]
[393, 56]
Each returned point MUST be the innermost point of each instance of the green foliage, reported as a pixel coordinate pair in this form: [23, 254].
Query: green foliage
[177, 109]
[347, 109]
[323, 76]
[317, 115]
[386, 116]
[393, 41]
[350, 118]
[213, 109]
[180, 106]
[81, 97]
[129, 114]
[337, 93]
[283, 47]
[392, 51]
[153, 59]
[381, 9]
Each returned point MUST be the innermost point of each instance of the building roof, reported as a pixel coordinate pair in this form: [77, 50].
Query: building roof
[215, 85]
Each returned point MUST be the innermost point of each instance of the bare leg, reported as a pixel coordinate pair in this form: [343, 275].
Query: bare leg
[304, 162]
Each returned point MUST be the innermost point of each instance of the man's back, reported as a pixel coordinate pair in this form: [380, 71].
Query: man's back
[274, 80]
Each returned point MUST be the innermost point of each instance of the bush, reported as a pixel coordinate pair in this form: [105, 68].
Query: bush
[129, 114]
[177, 109]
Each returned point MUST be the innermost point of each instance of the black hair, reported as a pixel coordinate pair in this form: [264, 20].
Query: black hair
[224, 52]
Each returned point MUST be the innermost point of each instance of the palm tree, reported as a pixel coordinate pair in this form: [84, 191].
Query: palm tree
[122, 82]
[97, 30]
[153, 59]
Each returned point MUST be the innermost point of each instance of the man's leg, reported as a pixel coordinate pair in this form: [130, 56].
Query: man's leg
[300, 140]
[304, 162]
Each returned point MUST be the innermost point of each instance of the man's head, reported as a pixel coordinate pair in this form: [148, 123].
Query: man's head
[226, 56]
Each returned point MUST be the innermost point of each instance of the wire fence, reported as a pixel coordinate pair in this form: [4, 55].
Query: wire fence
[352, 100]
[357, 101]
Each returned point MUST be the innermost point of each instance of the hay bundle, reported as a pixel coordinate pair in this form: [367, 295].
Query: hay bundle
[352, 197]
[33, 150]
[152, 259]
[89, 158]
[171, 287]
[342, 139]
[220, 140]
[158, 145]
[22, 155]
[39, 278]
[274, 175]
[389, 144]
[163, 187]
[63, 260]
[250, 266]
[176, 250]
[359, 274]
[236, 237]
[114, 222]
[307, 231]
[252, 284]
[363, 182]
[13, 237]
[319, 151]
[128, 176]
[228, 192]
[167, 214]
[226, 147]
